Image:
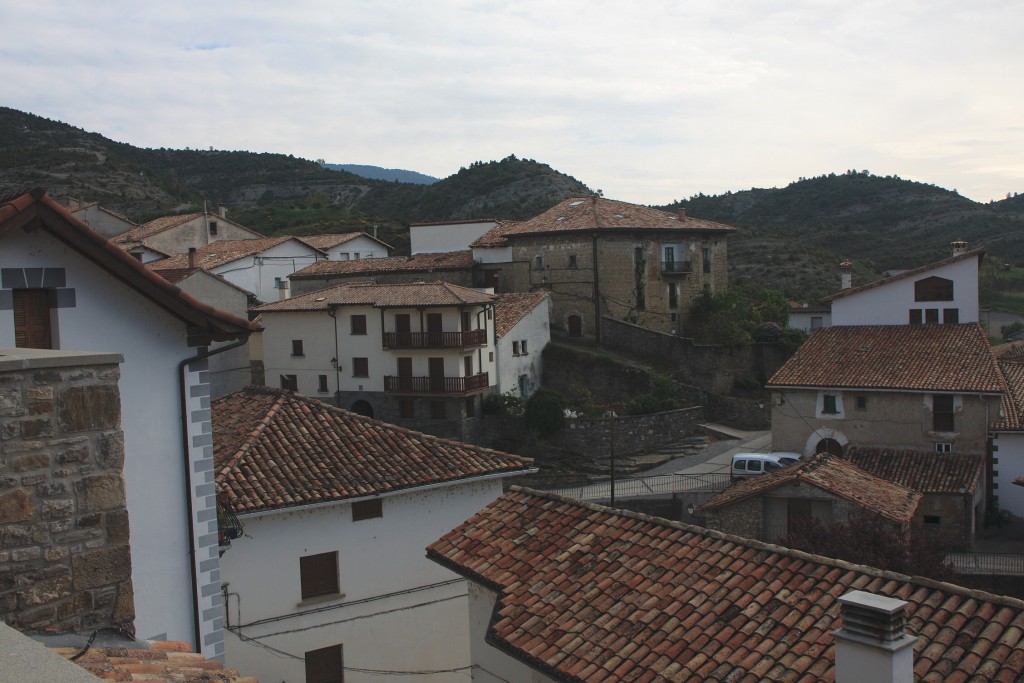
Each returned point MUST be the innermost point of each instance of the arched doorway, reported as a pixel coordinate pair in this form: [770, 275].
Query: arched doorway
[362, 408]
[575, 326]
[830, 446]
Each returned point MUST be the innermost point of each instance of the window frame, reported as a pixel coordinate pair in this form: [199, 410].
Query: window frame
[945, 415]
[371, 508]
[297, 350]
[357, 324]
[290, 382]
[318, 575]
[361, 367]
[322, 384]
[325, 664]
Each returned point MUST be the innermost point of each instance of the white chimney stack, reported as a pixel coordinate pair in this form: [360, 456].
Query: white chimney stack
[873, 644]
[223, 211]
[846, 276]
[191, 258]
[959, 247]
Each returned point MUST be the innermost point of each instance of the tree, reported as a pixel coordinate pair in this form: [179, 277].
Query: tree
[740, 315]
[545, 412]
[869, 539]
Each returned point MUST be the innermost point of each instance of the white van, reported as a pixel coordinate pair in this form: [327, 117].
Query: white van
[752, 464]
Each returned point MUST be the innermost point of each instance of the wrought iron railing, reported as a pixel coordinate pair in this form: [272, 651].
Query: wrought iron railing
[989, 564]
[647, 486]
[435, 340]
[435, 385]
[676, 267]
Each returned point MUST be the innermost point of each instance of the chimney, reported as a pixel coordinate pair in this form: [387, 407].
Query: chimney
[191, 258]
[846, 278]
[682, 213]
[873, 644]
[223, 211]
[959, 247]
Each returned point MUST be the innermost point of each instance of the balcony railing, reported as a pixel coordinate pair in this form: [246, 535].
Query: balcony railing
[435, 340]
[676, 267]
[436, 385]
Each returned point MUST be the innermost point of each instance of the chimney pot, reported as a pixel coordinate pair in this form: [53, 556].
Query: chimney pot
[846, 276]
[191, 257]
[959, 247]
[682, 212]
[873, 644]
[223, 211]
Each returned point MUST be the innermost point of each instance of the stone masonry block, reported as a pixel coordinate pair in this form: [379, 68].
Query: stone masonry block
[11, 402]
[100, 492]
[89, 408]
[110, 451]
[15, 507]
[25, 463]
[102, 567]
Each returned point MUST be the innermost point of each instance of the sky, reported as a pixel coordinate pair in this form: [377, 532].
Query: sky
[649, 101]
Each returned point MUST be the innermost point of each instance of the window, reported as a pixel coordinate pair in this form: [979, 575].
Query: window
[297, 347]
[931, 316]
[406, 408]
[358, 324]
[522, 346]
[367, 509]
[325, 665]
[319, 574]
[523, 385]
[360, 367]
[572, 261]
[706, 254]
[933, 289]
[490, 356]
[951, 316]
[515, 348]
[437, 410]
[862, 403]
[32, 319]
[289, 382]
[213, 228]
[355, 255]
[916, 316]
[816, 322]
[829, 404]
[322, 384]
[932, 519]
[943, 447]
[673, 295]
[942, 412]
[670, 256]
[538, 262]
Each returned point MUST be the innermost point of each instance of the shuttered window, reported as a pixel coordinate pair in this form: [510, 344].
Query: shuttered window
[319, 574]
[942, 413]
[32, 319]
[325, 665]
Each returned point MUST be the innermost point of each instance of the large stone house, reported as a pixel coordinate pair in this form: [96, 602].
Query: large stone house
[64, 286]
[336, 509]
[177, 234]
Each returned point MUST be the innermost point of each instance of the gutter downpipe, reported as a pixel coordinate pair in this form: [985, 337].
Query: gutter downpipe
[597, 293]
[187, 463]
[333, 312]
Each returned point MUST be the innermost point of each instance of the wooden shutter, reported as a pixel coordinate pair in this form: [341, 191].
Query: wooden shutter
[32, 319]
[319, 574]
[325, 665]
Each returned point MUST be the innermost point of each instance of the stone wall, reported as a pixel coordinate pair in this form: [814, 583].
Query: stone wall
[714, 368]
[628, 434]
[64, 550]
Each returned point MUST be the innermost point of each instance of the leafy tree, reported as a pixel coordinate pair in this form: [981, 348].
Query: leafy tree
[545, 412]
[741, 315]
[869, 539]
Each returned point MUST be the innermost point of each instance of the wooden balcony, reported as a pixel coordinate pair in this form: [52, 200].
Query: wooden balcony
[676, 268]
[436, 385]
[435, 340]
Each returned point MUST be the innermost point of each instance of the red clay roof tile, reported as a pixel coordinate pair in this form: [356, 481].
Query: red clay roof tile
[922, 471]
[406, 294]
[425, 263]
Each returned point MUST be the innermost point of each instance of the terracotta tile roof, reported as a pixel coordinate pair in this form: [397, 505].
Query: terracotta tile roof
[597, 213]
[327, 241]
[401, 295]
[426, 263]
[903, 275]
[20, 209]
[157, 225]
[222, 252]
[591, 594]
[1011, 406]
[275, 449]
[495, 237]
[909, 357]
[1010, 351]
[837, 476]
[922, 471]
[513, 307]
[167, 661]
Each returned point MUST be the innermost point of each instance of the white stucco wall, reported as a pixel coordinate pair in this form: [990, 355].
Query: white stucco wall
[357, 248]
[535, 330]
[1010, 454]
[492, 254]
[383, 621]
[432, 239]
[256, 274]
[889, 304]
[803, 319]
[491, 664]
[107, 316]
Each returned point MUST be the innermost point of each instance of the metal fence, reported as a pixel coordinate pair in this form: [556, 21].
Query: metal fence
[989, 564]
[647, 486]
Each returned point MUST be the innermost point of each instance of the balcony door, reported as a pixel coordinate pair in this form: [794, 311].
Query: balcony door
[405, 374]
[436, 367]
[467, 362]
[403, 330]
[434, 329]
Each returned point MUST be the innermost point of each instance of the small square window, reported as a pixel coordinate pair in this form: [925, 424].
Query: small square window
[406, 408]
[572, 260]
[515, 348]
[325, 665]
[289, 382]
[358, 324]
[437, 410]
[943, 447]
[862, 403]
[367, 509]
[322, 384]
[318, 574]
[829, 405]
[931, 316]
[932, 519]
[360, 367]
[297, 347]
[538, 262]
[951, 316]
[213, 228]
[916, 316]
[522, 347]
[490, 356]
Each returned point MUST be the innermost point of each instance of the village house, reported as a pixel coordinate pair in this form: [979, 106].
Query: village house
[599, 257]
[177, 234]
[64, 286]
[523, 330]
[574, 592]
[330, 574]
[447, 236]
[824, 487]
[104, 221]
[421, 355]
[920, 387]
[259, 266]
[348, 246]
[454, 267]
[1008, 436]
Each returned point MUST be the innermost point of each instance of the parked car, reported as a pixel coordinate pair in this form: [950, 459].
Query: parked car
[752, 464]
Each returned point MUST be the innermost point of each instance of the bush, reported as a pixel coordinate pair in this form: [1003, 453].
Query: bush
[545, 412]
[508, 403]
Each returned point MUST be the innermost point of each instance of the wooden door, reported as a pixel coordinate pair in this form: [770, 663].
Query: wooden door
[32, 319]
[436, 368]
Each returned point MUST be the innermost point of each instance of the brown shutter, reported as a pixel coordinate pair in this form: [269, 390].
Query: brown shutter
[318, 574]
[325, 665]
[32, 319]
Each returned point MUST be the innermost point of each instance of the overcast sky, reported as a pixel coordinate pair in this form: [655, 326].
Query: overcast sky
[649, 101]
